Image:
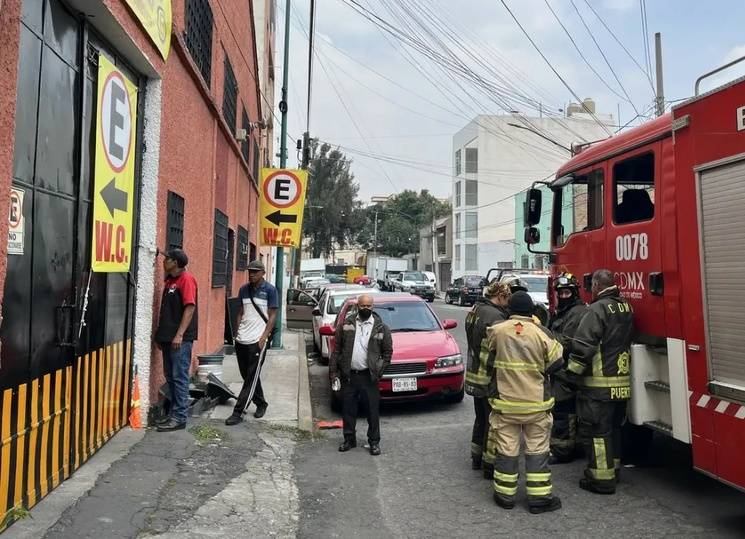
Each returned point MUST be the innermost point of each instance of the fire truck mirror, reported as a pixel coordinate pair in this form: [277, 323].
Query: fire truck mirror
[532, 207]
[532, 236]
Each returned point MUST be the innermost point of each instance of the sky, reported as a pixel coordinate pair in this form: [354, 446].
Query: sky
[394, 111]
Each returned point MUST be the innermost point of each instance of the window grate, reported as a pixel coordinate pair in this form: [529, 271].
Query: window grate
[256, 162]
[220, 250]
[199, 36]
[245, 143]
[230, 96]
[175, 222]
[241, 262]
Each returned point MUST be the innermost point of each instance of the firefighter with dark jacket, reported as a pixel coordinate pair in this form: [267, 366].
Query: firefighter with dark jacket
[488, 310]
[569, 312]
[600, 364]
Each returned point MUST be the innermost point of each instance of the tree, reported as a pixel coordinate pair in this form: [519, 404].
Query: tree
[400, 220]
[331, 202]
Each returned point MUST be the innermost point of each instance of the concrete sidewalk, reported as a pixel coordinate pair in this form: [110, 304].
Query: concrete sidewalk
[146, 483]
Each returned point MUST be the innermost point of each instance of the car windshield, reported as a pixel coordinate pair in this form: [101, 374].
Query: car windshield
[414, 276]
[474, 280]
[407, 316]
[337, 300]
[535, 284]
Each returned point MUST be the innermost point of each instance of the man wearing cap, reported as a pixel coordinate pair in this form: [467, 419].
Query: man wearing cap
[487, 311]
[177, 331]
[525, 354]
[256, 319]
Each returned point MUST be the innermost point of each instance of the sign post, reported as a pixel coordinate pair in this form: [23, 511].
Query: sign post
[114, 181]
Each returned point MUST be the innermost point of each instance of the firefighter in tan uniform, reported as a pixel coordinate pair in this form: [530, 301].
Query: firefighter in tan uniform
[525, 354]
[600, 365]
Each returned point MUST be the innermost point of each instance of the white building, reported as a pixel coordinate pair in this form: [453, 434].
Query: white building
[495, 157]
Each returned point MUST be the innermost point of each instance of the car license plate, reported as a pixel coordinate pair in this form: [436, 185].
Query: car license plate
[404, 384]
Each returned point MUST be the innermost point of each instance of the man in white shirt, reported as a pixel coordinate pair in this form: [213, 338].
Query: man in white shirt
[363, 351]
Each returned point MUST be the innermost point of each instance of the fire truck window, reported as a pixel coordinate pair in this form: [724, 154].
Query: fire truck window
[578, 207]
[634, 184]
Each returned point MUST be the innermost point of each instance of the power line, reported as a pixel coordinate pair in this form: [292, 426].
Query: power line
[645, 37]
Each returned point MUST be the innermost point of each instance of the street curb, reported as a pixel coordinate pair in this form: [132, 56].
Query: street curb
[304, 408]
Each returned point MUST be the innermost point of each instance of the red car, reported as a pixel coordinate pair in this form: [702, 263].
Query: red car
[426, 359]
[363, 279]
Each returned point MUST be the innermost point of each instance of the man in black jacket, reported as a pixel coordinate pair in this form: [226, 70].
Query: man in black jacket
[487, 311]
[364, 348]
[569, 312]
[600, 362]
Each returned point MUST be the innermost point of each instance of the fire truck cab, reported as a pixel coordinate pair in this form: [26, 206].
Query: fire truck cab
[663, 206]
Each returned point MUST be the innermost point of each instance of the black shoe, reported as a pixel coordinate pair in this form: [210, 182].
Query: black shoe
[260, 410]
[476, 463]
[163, 420]
[171, 426]
[347, 445]
[586, 484]
[488, 471]
[552, 504]
[374, 450]
[504, 504]
[553, 459]
[234, 419]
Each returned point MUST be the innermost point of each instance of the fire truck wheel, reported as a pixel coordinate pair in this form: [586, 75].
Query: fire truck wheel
[636, 443]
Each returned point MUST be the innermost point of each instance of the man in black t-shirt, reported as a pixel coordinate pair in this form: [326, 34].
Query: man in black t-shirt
[177, 331]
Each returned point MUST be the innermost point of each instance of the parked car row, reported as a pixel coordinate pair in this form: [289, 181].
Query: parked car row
[465, 290]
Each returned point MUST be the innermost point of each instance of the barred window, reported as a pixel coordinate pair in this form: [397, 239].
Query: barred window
[256, 163]
[199, 36]
[220, 250]
[175, 222]
[230, 96]
[241, 262]
[244, 144]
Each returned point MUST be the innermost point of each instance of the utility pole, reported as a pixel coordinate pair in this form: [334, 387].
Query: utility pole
[658, 62]
[280, 270]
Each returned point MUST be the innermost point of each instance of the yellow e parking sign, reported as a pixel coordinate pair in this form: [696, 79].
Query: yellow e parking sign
[281, 206]
[114, 181]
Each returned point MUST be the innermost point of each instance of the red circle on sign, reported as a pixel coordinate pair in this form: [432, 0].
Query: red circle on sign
[279, 173]
[114, 75]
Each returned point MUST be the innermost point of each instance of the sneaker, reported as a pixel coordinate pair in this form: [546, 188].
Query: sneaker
[504, 504]
[171, 426]
[374, 450]
[162, 420]
[260, 410]
[233, 419]
[552, 504]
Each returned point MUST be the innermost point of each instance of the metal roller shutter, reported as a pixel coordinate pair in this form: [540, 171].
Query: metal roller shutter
[723, 237]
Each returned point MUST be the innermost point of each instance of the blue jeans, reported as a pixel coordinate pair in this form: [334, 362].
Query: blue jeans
[176, 364]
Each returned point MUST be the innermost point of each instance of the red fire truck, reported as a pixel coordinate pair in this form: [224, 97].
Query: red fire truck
[663, 207]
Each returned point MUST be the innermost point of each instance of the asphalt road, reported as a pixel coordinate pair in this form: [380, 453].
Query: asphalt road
[422, 484]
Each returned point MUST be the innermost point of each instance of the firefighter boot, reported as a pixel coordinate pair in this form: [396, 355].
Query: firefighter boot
[544, 506]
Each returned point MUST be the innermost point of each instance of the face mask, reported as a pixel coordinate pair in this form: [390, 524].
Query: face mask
[564, 302]
[364, 314]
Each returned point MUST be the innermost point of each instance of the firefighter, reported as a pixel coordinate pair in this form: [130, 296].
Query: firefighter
[569, 312]
[516, 284]
[488, 310]
[600, 363]
[525, 354]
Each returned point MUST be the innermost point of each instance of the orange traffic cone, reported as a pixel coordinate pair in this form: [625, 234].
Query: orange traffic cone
[135, 421]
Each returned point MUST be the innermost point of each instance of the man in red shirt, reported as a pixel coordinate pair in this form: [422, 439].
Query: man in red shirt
[177, 331]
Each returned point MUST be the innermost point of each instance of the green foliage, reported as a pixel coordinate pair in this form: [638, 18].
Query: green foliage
[332, 211]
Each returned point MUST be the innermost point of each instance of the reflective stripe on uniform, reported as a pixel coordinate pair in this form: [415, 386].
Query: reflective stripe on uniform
[601, 458]
[476, 449]
[554, 353]
[505, 477]
[477, 378]
[538, 476]
[602, 475]
[539, 491]
[605, 381]
[502, 489]
[517, 366]
[521, 407]
[597, 363]
[575, 366]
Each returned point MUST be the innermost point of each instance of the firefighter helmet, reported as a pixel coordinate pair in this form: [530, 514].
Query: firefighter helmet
[515, 283]
[566, 280]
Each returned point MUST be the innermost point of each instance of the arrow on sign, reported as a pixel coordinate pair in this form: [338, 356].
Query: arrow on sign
[115, 199]
[278, 217]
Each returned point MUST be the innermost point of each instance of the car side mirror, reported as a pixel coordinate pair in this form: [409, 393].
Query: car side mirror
[326, 330]
[316, 312]
[449, 324]
[532, 207]
[532, 236]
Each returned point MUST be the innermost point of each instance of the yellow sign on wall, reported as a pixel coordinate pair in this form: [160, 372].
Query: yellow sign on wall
[114, 180]
[282, 195]
[155, 17]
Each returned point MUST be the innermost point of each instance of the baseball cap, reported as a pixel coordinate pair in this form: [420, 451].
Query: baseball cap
[179, 256]
[256, 265]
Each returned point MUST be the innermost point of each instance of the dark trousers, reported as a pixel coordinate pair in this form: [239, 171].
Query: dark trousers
[361, 387]
[600, 430]
[564, 430]
[480, 427]
[250, 360]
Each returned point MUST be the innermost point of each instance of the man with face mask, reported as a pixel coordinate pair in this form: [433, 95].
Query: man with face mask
[364, 348]
[569, 312]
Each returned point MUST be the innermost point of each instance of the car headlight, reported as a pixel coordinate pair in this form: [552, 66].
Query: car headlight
[448, 361]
